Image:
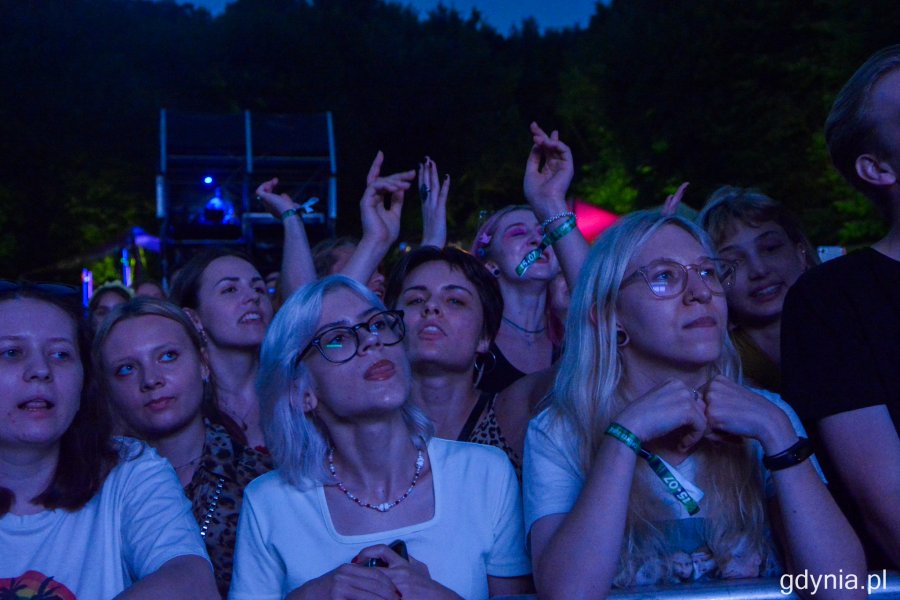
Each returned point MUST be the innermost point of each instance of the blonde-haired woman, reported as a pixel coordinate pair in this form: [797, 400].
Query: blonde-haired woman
[647, 465]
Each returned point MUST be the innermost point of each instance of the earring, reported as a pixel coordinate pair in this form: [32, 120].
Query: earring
[481, 367]
[621, 338]
[496, 272]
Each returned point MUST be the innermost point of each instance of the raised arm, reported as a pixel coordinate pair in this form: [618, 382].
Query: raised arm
[380, 209]
[296, 260]
[433, 192]
[548, 173]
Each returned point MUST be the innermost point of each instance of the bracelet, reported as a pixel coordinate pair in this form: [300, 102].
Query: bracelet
[289, 213]
[793, 456]
[557, 217]
[625, 436]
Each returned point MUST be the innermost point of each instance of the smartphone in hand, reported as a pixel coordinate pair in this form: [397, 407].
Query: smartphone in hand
[398, 546]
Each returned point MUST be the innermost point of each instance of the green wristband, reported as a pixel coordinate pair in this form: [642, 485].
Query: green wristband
[548, 240]
[289, 213]
[623, 435]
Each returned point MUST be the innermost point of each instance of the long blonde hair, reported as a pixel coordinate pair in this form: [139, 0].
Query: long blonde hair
[587, 397]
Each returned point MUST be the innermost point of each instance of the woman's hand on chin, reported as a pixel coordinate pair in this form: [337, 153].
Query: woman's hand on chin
[347, 581]
[669, 406]
[733, 409]
[411, 577]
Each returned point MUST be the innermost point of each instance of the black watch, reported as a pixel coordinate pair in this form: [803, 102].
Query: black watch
[794, 455]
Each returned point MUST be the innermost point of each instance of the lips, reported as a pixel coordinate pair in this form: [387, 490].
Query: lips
[430, 331]
[380, 371]
[252, 317]
[36, 404]
[766, 293]
[705, 321]
[159, 404]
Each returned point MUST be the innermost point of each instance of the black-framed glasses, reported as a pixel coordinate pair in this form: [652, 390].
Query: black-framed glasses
[340, 344]
[667, 278]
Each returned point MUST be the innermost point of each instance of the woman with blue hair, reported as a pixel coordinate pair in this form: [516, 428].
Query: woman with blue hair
[358, 469]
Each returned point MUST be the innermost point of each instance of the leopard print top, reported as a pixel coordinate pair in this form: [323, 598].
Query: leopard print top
[487, 431]
[224, 460]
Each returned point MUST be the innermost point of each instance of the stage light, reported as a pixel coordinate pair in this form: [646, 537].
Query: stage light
[208, 180]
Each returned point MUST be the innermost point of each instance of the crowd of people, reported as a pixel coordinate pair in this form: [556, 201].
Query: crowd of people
[687, 399]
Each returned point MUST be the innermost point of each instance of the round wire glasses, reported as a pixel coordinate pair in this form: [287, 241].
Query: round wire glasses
[667, 278]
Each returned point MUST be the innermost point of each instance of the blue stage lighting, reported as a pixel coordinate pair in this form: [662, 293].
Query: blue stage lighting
[207, 180]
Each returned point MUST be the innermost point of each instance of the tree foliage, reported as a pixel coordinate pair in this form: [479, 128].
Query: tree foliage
[651, 93]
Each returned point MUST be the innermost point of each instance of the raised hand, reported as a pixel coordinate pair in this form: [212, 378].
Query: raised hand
[670, 207]
[433, 192]
[276, 204]
[382, 203]
[548, 173]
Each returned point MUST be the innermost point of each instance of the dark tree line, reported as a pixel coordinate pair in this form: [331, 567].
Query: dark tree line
[651, 93]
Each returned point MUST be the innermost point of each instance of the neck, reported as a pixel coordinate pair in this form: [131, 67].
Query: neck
[27, 473]
[889, 245]
[183, 448]
[767, 338]
[447, 399]
[641, 379]
[525, 304]
[375, 456]
[235, 377]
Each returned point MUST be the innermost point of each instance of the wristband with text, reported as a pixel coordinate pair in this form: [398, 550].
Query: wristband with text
[548, 240]
[659, 467]
[289, 213]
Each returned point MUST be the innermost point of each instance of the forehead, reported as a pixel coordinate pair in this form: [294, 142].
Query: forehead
[343, 305]
[436, 274]
[341, 255]
[520, 215]
[145, 329]
[110, 299]
[670, 241]
[29, 317]
[228, 266]
[740, 233]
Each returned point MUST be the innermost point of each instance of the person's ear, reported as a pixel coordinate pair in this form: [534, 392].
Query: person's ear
[875, 172]
[484, 345]
[308, 402]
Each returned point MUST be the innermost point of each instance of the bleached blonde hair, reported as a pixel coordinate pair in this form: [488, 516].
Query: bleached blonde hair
[587, 397]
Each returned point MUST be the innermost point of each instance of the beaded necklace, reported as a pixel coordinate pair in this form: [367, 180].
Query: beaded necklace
[384, 506]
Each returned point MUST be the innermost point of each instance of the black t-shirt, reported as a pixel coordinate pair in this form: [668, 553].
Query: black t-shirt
[840, 351]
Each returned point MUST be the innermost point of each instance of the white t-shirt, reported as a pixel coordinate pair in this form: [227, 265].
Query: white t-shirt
[139, 520]
[552, 476]
[286, 536]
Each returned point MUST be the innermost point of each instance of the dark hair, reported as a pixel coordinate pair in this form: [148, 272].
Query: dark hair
[730, 204]
[87, 452]
[485, 284]
[850, 129]
[186, 283]
[113, 287]
[323, 253]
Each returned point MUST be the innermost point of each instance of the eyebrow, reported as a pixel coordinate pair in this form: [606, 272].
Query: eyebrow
[233, 279]
[449, 287]
[516, 224]
[345, 322]
[17, 338]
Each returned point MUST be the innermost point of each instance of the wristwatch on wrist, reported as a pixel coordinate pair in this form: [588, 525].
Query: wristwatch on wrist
[794, 455]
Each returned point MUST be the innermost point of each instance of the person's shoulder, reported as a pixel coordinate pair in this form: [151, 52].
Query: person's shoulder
[453, 454]
[267, 483]
[844, 268]
[135, 453]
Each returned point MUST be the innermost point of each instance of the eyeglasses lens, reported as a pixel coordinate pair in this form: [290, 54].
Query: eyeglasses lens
[341, 343]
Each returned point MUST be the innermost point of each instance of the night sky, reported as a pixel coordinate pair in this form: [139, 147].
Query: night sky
[501, 14]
